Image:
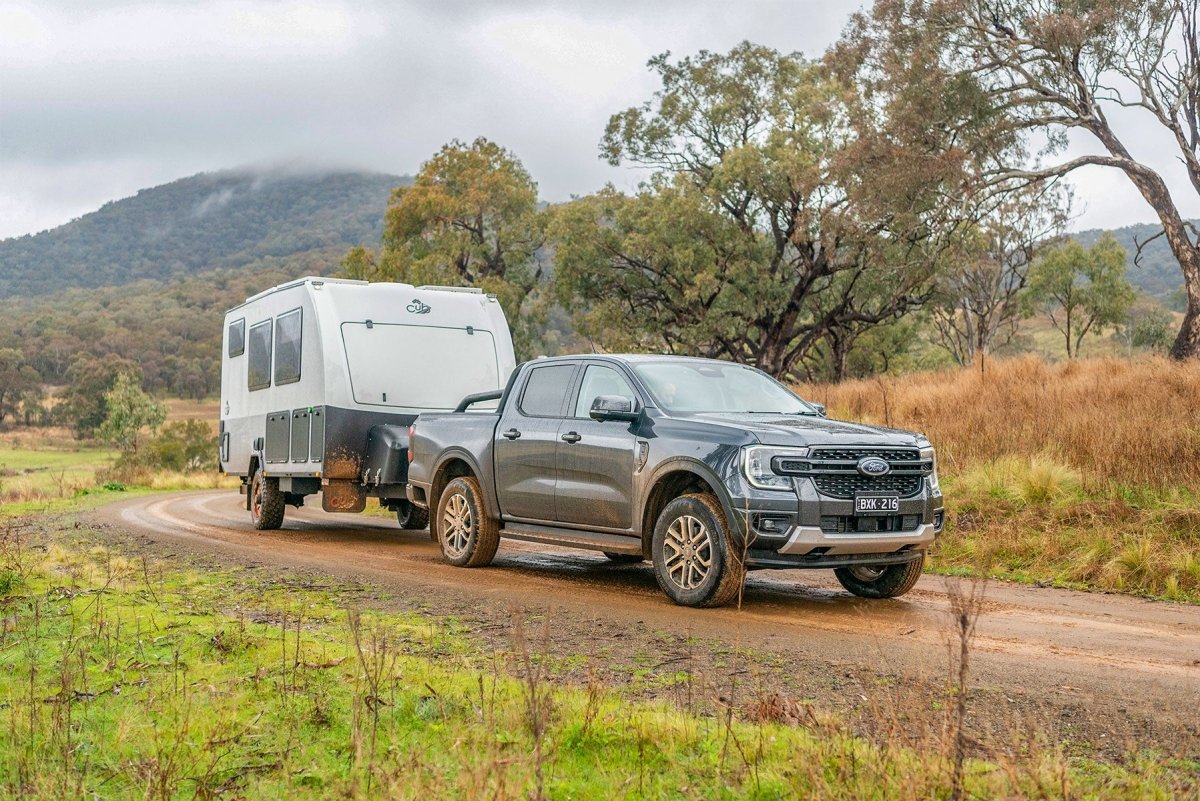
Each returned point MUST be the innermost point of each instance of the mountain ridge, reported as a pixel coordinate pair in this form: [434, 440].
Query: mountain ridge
[208, 221]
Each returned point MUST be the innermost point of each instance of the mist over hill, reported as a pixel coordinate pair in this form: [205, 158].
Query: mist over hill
[209, 221]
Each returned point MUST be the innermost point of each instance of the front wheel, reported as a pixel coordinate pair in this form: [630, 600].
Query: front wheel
[695, 560]
[881, 581]
[411, 517]
[266, 502]
[468, 536]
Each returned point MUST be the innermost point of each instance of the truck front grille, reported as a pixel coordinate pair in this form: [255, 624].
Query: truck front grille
[834, 471]
[842, 485]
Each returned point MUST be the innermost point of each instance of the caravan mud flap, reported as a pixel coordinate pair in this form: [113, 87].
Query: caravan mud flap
[342, 495]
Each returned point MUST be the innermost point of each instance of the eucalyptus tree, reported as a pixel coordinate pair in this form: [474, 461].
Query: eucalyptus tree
[1030, 73]
[781, 208]
[469, 218]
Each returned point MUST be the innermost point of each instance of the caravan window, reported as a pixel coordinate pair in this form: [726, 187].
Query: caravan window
[237, 337]
[258, 375]
[288, 327]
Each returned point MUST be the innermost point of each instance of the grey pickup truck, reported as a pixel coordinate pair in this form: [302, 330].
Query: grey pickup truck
[706, 468]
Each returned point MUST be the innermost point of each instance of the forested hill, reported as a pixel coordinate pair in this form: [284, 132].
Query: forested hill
[205, 222]
[1159, 274]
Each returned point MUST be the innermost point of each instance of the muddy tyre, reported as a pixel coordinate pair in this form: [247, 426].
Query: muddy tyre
[266, 502]
[884, 581]
[695, 560]
[411, 517]
[624, 558]
[467, 535]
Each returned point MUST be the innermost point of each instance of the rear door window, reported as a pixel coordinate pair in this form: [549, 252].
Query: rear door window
[546, 390]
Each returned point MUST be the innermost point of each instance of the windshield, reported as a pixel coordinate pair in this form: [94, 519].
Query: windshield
[714, 387]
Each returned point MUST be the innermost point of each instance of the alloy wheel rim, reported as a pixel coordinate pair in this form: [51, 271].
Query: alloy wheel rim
[689, 552]
[457, 525]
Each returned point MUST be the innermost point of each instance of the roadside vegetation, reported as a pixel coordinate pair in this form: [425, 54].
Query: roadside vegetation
[48, 468]
[1079, 473]
[137, 677]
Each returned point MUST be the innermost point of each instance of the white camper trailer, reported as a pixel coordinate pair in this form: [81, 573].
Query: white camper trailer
[321, 377]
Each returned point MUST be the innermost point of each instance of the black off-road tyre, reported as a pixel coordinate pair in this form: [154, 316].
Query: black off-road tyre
[467, 535]
[624, 558]
[411, 517]
[696, 561]
[884, 581]
[266, 502]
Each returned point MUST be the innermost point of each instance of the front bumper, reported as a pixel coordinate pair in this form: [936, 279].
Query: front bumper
[803, 534]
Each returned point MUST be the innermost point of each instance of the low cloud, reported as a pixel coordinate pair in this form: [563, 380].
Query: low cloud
[100, 99]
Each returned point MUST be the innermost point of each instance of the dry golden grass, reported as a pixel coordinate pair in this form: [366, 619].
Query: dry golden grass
[208, 410]
[1116, 421]
[1084, 474]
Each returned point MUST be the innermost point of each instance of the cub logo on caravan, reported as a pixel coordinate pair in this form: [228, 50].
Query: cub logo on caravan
[417, 307]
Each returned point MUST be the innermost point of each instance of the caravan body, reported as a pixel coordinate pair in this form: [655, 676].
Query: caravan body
[321, 378]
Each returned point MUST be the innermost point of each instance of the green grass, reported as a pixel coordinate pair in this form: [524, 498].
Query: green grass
[1033, 521]
[33, 469]
[123, 677]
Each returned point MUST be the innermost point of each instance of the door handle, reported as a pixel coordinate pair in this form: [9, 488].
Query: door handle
[571, 436]
[511, 433]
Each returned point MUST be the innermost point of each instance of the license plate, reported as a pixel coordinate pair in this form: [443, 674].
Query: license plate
[876, 504]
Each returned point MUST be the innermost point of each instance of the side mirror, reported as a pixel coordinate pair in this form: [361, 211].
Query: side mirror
[616, 407]
[820, 407]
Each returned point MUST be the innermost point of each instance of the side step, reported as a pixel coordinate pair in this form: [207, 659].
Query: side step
[571, 538]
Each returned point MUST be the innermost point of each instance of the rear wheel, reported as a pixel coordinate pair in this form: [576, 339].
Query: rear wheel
[411, 517]
[881, 581]
[469, 538]
[266, 502]
[624, 558]
[695, 561]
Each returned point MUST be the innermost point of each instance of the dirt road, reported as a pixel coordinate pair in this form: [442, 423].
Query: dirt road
[1106, 671]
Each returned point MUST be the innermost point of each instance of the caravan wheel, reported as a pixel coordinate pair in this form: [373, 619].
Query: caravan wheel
[411, 517]
[266, 502]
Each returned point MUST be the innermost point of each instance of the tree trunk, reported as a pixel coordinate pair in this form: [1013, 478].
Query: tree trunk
[1187, 343]
[1152, 187]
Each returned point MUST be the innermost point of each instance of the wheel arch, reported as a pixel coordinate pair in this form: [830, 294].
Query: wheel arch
[673, 479]
[248, 481]
[452, 464]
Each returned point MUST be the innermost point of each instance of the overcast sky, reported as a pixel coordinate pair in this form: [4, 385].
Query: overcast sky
[100, 98]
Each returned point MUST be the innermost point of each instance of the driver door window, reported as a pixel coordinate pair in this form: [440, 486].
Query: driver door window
[600, 380]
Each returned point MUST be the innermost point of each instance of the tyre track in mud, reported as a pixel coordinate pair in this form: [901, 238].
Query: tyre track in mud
[1111, 667]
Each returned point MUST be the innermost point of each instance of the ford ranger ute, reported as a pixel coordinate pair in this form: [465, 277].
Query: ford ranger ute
[706, 468]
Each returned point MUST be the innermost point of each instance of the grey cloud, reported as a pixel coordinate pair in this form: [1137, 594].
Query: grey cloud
[100, 99]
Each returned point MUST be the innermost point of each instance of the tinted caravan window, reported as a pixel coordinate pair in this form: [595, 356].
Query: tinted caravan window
[258, 370]
[287, 347]
[237, 337]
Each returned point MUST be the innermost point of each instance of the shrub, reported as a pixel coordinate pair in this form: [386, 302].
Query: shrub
[185, 446]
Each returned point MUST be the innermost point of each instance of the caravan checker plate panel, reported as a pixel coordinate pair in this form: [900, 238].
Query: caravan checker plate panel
[418, 367]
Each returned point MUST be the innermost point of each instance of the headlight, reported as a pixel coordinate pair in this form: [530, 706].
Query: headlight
[756, 463]
[931, 454]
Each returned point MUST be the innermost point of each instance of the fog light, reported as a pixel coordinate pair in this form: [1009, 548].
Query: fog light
[770, 525]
